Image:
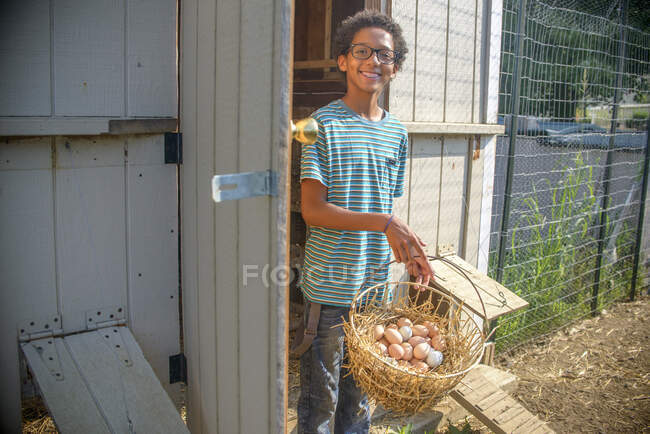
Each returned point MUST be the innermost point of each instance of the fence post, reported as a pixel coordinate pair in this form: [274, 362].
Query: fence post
[639, 230]
[514, 127]
[606, 177]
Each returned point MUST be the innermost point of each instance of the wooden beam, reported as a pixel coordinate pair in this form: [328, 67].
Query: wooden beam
[315, 64]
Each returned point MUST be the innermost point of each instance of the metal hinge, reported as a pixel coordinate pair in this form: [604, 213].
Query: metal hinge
[31, 329]
[236, 186]
[105, 317]
[177, 368]
[173, 148]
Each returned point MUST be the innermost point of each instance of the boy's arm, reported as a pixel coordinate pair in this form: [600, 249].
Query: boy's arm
[406, 245]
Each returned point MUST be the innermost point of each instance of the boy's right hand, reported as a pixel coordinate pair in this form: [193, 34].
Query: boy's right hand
[408, 248]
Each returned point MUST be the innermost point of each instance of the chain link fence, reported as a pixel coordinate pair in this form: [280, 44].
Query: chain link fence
[567, 222]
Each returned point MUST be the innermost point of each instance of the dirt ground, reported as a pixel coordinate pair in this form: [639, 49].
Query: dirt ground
[592, 377]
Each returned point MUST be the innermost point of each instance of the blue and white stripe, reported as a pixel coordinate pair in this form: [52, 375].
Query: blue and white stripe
[362, 165]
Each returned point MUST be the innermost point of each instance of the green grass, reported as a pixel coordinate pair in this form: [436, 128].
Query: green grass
[552, 256]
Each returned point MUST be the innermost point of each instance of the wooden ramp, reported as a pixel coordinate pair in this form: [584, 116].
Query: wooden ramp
[495, 408]
[99, 382]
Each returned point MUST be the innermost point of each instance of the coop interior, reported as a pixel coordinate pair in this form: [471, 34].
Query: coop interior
[316, 82]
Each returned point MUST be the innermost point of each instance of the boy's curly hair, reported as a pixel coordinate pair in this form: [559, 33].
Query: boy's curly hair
[368, 18]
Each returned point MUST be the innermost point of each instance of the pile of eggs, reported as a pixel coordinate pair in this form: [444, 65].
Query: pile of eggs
[418, 346]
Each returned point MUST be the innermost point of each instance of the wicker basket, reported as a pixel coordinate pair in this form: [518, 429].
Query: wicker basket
[399, 388]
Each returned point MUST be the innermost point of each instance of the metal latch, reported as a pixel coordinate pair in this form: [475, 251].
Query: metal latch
[234, 186]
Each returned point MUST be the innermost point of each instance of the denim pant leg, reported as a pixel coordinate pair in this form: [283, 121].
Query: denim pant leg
[352, 411]
[320, 382]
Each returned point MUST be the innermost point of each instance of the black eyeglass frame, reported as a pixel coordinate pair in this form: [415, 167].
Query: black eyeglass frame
[373, 51]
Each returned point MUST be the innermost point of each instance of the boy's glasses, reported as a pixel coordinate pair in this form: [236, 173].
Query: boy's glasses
[363, 52]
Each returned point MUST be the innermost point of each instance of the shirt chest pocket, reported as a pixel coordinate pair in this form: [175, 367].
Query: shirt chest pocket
[388, 173]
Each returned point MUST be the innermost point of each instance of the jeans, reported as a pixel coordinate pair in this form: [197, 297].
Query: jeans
[325, 388]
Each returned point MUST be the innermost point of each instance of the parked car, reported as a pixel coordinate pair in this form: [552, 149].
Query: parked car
[593, 137]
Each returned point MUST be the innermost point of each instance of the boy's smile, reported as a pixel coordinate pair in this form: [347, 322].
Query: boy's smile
[368, 76]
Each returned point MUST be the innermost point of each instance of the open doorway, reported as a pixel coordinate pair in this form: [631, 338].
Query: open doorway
[316, 82]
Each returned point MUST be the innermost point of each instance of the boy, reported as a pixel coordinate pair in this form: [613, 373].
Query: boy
[349, 178]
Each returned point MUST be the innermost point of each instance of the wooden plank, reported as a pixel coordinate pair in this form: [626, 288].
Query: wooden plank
[254, 233]
[501, 407]
[425, 187]
[152, 233]
[122, 383]
[498, 299]
[477, 63]
[401, 95]
[470, 406]
[494, 61]
[510, 414]
[488, 152]
[314, 64]
[452, 197]
[474, 186]
[529, 427]
[189, 209]
[89, 58]
[68, 400]
[90, 226]
[209, 405]
[459, 83]
[25, 52]
[448, 128]
[151, 58]
[327, 49]
[83, 126]
[431, 55]
[27, 268]
[517, 421]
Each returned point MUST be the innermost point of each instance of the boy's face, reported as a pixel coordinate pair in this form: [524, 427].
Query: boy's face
[369, 75]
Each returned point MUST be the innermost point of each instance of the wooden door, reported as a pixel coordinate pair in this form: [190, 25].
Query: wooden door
[235, 112]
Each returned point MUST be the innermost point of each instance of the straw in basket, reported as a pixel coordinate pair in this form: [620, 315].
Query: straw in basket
[400, 387]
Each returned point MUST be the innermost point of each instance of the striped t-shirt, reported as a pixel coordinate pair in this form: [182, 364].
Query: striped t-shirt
[362, 164]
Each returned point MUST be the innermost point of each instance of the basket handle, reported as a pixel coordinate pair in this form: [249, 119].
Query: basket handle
[447, 261]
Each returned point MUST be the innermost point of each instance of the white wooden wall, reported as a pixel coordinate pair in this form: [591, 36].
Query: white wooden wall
[88, 222]
[235, 61]
[445, 93]
[88, 58]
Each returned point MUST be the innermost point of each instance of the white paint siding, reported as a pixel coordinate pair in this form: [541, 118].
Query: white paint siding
[452, 200]
[90, 227]
[27, 267]
[88, 57]
[235, 84]
[401, 88]
[25, 54]
[78, 220]
[151, 58]
[424, 198]
[460, 61]
[430, 69]
[152, 236]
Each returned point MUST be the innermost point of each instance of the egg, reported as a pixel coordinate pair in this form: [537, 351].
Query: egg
[416, 340]
[384, 342]
[392, 326]
[393, 336]
[420, 351]
[438, 343]
[403, 321]
[396, 351]
[434, 358]
[378, 332]
[408, 351]
[406, 332]
[380, 348]
[433, 329]
[420, 330]
[421, 366]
